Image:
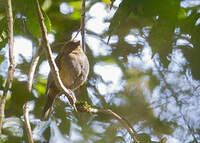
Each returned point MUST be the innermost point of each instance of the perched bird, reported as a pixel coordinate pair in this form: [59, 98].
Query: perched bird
[73, 68]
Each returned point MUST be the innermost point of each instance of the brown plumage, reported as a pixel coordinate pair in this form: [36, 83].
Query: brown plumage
[73, 68]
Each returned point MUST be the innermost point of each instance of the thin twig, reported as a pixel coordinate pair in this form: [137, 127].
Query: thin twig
[27, 123]
[85, 107]
[83, 25]
[54, 68]
[76, 34]
[33, 66]
[58, 81]
[11, 59]
[123, 121]
[108, 39]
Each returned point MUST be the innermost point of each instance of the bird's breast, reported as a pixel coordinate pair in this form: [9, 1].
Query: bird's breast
[74, 70]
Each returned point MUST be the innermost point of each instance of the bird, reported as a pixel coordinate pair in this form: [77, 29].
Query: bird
[73, 67]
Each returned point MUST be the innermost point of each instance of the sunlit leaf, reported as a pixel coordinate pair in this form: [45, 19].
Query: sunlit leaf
[182, 13]
[42, 80]
[3, 32]
[40, 89]
[107, 2]
[76, 5]
[41, 85]
[3, 39]
[46, 4]
[106, 59]
[47, 21]
[76, 15]
[148, 99]
[4, 139]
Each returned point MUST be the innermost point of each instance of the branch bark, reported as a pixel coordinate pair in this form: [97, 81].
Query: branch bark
[84, 107]
[11, 59]
[33, 66]
[123, 121]
[27, 123]
[83, 25]
[54, 68]
[58, 81]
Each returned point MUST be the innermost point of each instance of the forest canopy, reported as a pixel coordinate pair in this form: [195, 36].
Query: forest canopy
[143, 57]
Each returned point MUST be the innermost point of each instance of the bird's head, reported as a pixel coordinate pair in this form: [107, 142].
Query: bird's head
[72, 45]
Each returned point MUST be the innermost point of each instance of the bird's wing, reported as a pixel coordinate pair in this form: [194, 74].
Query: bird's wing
[49, 82]
[58, 60]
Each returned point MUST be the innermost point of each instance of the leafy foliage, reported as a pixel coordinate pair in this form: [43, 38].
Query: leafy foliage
[157, 90]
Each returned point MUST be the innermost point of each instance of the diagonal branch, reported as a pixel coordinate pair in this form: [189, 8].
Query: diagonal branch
[83, 25]
[11, 59]
[33, 66]
[123, 121]
[54, 68]
[84, 107]
[59, 83]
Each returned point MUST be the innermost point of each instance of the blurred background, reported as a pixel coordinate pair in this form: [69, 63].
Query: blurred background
[148, 72]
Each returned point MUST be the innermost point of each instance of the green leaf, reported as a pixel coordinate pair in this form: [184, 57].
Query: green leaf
[3, 25]
[42, 81]
[106, 59]
[41, 89]
[107, 2]
[1, 58]
[76, 5]
[3, 42]
[182, 14]
[41, 86]
[77, 9]
[47, 21]
[76, 15]
[33, 25]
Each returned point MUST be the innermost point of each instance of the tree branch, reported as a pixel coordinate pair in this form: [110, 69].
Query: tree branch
[52, 63]
[84, 107]
[123, 121]
[83, 25]
[11, 59]
[27, 123]
[34, 63]
[59, 83]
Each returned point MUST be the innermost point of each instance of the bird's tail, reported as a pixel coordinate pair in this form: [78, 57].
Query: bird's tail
[47, 109]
